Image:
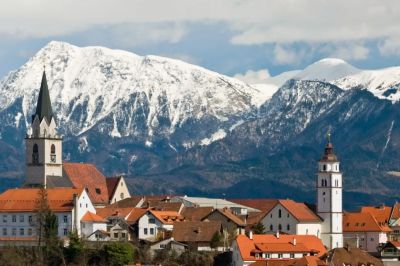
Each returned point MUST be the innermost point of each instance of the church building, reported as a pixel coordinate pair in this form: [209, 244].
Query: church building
[44, 165]
[329, 198]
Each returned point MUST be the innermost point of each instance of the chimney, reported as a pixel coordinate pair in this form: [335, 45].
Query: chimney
[294, 241]
[277, 234]
[251, 235]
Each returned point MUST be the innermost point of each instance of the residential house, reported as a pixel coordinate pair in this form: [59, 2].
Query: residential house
[304, 261]
[197, 235]
[231, 224]
[117, 189]
[349, 257]
[254, 248]
[390, 253]
[362, 230]
[90, 223]
[18, 208]
[196, 213]
[168, 244]
[293, 218]
[154, 225]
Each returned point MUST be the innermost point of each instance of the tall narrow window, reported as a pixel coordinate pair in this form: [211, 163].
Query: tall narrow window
[53, 153]
[280, 227]
[280, 213]
[35, 154]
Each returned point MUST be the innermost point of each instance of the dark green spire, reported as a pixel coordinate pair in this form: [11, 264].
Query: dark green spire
[43, 108]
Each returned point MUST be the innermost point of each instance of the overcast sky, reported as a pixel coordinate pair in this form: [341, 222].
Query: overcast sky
[230, 37]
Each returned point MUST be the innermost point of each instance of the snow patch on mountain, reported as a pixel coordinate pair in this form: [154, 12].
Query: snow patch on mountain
[383, 83]
[220, 134]
[327, 69]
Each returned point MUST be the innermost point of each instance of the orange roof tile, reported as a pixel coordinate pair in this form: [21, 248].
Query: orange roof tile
[85, 175]
[135, 215]
[381, 213]
[300, 211]
[248, 246]
[25, 199]
[362, 222]
[111, 211]
[167, 217]
[112, 183]
[92, 217]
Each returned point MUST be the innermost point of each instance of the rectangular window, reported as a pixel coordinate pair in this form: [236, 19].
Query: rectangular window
[151, 231]
[22, 218]
[162, 246]
[145, 231]
[4, 231]
[115, 235]
[29, 231]
[280, 255]
[14, 218]
[4, 218]
[14, 231]
[65, 219]
[21, 231]
[123, 235]
[152, 221]
[30, 218]
[291, 255]
[65, 231]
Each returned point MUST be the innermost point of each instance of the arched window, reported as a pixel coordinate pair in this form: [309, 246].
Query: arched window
[279, 227]
[35, 154]
[280, 213]
[53, 153]
[324, 167]
[322, 182]
[271, 228]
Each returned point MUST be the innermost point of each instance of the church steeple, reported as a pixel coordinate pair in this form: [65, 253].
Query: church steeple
[329, 155]
[43, 107]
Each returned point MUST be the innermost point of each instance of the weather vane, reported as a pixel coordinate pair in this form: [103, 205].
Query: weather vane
[328, 135]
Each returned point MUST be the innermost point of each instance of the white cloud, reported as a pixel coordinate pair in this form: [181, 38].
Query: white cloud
[347, 51]
[390, 46]
[288, 56]
[254, 77]
[253, 22]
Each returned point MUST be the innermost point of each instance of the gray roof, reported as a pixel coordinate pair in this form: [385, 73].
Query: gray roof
[43, 107]
[58, 181]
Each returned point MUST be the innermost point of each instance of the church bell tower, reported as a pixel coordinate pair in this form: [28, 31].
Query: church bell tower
[329, 198]
[43, 145]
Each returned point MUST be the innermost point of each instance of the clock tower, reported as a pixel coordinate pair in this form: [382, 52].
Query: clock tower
[43, 145]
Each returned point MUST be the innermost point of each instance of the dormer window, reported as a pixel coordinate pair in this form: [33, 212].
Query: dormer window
[53, 153]
[35, 154]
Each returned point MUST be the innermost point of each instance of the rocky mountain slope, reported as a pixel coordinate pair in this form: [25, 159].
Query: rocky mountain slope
[172, 127]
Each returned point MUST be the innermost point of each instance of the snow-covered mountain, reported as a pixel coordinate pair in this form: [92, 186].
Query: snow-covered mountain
[383, 83]
[88, 85]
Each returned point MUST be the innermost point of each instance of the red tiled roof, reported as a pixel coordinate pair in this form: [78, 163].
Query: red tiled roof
[167, 217]
[131, 202]
[304, 261]
[135, 215]
[228, 214]
[195, 231]
[112, 183]
[85, 175]
[381, 213]
[92, 217]
[362, 222]
[25, 199]
[264, 205]
[396, 211]
[111, 211]
[196, 213]
[248, 246]
[300, 211]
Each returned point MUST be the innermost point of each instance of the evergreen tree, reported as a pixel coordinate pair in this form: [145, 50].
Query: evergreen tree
[258, 229]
